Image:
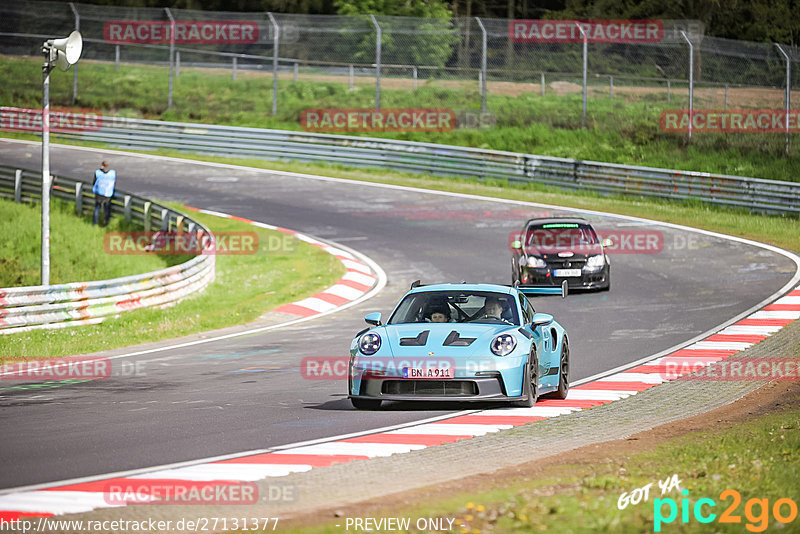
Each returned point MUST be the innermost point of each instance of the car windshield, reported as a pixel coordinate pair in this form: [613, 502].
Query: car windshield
[456, 307]
[560, 236]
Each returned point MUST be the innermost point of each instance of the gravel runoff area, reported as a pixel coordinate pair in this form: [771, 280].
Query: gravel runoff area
[358, 481]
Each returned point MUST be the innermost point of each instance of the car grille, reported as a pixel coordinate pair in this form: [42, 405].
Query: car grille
[566, 263]
[430, 388]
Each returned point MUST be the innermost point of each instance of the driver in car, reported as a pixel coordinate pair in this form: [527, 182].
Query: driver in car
[493, 308]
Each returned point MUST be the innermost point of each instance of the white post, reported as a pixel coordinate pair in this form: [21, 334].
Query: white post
[275, 43]
[18, 186]
[788, 97]
[75, 72]
[79, 199]
[296, 70]
[177, 63]
[691, 82]
[351, 78]
[543, 85]
[611, 87]
[377, 62]
[414, 74]
[146, 216]
[233, 68]
[171, 55]
[116, 58]
[483, 64]
[46, 68]
[585, 65]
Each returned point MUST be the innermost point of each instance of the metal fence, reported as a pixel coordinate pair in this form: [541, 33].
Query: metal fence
[457, 63]
[79, 303]
[758, 195]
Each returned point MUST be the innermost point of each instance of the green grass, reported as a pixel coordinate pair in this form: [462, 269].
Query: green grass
[624, 130]
[76, 247]
[245, 287]
[759, 459]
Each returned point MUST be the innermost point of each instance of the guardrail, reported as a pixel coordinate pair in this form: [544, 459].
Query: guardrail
[755, 194]
[64, 305]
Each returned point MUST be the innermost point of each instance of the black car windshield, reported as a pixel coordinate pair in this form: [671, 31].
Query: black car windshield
[457, 307]
[560, 236]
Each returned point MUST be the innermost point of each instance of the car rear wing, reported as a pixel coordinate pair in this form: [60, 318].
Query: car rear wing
[546, 290]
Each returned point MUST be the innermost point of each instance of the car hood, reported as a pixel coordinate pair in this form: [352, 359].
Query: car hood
[451, 339]
[578, 253]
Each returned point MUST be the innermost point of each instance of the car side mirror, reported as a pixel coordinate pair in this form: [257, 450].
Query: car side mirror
[373, 318]
[607, 243]
[541, 319]
[517, 245]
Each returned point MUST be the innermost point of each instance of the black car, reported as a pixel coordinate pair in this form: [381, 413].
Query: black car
[551, 250]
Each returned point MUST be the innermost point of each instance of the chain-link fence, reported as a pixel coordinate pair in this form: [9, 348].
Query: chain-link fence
[479, 68]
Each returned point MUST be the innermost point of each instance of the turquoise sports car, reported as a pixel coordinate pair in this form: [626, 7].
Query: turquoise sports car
[460, 342]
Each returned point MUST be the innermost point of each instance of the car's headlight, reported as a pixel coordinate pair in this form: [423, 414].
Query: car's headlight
[596, 261]
[503, 344]
[369, 343]
[533, 261]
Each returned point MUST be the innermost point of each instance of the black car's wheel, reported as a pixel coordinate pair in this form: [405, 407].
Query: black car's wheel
[608, 281]
[563, 374]
[530, 387]
[366, 404]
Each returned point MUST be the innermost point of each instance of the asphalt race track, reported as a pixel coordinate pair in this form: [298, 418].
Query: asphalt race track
[197, 402]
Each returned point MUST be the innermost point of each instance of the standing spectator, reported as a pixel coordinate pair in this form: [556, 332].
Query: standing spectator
[105, 179]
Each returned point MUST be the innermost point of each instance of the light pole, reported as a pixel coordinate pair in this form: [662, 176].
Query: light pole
[61, 53]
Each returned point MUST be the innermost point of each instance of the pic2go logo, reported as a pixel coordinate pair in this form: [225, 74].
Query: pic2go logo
[756, 511]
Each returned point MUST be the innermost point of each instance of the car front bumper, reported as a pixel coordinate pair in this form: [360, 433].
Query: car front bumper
[479, 389]
[544, 277]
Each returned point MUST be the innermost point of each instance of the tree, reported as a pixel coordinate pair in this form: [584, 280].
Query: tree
[409, 8]
[427, 39]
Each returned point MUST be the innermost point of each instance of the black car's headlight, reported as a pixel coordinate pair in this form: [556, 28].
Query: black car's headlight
[369, 343]
[503, 344]
[536, 262]
[596, 262]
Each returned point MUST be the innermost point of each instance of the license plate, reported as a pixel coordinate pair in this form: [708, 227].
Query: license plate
[425, 373]
[564, 273]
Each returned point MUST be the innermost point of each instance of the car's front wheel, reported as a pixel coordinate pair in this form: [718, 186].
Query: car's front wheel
[530, 386]
[366, 404]
[563, 374]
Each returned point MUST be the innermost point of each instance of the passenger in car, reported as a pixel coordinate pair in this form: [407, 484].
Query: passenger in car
[438, 314]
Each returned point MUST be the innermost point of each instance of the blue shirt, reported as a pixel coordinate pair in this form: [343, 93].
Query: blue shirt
[104, 182]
